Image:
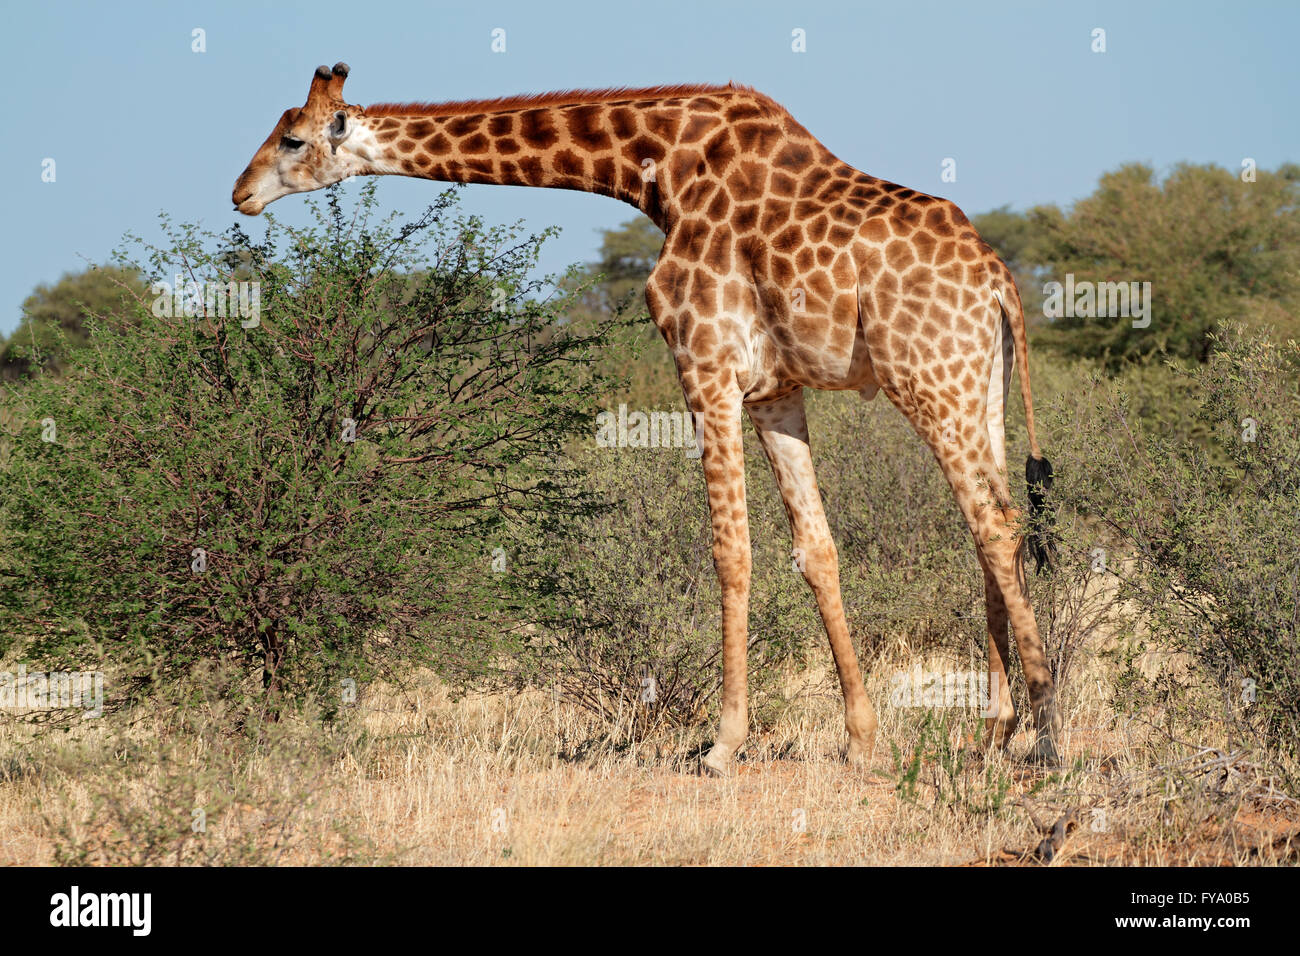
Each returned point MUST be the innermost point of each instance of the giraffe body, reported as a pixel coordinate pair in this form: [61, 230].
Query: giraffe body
[783, 268]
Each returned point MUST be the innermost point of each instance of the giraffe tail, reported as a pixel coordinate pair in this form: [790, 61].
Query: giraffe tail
[1038, 470]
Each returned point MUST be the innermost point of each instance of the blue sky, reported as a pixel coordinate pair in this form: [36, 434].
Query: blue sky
[137, 123]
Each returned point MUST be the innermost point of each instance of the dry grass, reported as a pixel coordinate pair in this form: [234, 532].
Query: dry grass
[419, 778]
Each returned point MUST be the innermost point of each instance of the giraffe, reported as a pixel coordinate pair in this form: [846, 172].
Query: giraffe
[783, 268]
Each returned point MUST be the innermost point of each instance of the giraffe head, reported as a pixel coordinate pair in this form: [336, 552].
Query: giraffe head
[310, 147]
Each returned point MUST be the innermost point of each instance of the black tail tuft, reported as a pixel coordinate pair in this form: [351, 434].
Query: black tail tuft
[1038, 475]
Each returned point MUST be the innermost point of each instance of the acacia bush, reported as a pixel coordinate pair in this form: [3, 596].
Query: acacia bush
[340, 486]
[911, 567]
[1203, 540]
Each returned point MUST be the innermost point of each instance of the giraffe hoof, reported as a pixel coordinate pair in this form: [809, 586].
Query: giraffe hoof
[715, 764]
[1044, 752]
[998, 734]
[859, 754]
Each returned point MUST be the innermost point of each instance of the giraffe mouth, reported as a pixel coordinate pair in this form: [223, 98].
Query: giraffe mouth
[245, 199]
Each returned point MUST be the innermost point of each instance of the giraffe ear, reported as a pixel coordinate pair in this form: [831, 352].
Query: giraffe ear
[339, 126]
[337, 76]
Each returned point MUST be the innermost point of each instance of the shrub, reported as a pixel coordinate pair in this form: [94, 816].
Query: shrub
[1211, 534]
[312, 495]
[907, 560]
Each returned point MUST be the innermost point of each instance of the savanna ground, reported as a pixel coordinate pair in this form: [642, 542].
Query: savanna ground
[416, 778]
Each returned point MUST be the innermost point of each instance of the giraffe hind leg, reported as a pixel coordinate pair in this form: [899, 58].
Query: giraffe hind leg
[1000, 718]
[995, 526]
[965, 453]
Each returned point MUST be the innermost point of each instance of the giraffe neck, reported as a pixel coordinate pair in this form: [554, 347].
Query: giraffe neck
[644, 151]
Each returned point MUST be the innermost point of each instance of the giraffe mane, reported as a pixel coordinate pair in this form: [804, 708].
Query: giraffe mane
[557, 98]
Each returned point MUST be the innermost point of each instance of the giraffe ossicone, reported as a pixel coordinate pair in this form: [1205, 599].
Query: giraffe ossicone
[783, 268]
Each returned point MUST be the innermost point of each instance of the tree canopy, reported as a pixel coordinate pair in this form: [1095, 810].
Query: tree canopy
[54, 316]
[1214, 246]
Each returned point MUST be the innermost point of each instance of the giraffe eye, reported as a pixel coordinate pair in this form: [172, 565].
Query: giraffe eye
[291, 142]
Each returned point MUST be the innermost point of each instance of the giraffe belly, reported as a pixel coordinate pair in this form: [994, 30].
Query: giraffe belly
[820, 346]
[850, 376]
[840, 371]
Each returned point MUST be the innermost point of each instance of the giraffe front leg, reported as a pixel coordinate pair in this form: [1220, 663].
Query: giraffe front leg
[782, 427]
[719, 429]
